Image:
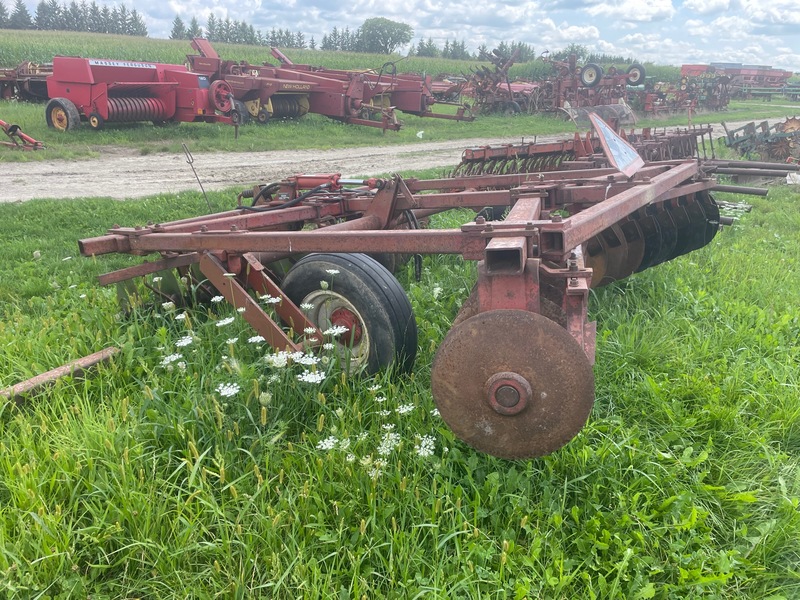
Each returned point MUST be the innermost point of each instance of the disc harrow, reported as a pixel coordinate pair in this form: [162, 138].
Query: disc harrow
[513, 377]
[579, 152]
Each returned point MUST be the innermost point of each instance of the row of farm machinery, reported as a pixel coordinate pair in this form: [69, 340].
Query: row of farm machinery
[210, 89]
[513, 377]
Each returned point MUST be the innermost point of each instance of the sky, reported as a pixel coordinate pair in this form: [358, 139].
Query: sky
[666, 32]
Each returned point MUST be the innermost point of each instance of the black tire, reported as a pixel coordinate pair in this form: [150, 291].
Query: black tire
[369, 293]
[591, 74]
[62, 114]
[511, 108]
[240, 115]
[96, 121]
[263, 116]
[636, 74]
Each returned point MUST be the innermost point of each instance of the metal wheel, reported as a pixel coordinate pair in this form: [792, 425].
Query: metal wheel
[62, 114]
[221, 95]
[591, 74]
[512, 383]
[96, 121]
[356, 292]
[263, 116]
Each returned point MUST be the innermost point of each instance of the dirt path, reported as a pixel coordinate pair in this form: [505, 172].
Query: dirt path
[120, 173]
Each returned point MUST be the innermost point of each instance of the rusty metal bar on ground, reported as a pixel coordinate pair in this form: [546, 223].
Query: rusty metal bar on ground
[75, 368]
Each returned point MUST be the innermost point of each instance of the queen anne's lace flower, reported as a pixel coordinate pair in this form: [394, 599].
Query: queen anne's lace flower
[226, 390]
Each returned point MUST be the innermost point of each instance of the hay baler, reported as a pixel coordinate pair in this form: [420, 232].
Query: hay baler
[101, 91]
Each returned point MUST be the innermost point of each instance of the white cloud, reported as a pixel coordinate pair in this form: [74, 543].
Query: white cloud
[634, 10]
[705, 7]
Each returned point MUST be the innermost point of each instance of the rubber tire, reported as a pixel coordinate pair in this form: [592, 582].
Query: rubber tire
[240, 114]
[511, 108]
[96, 121]
[73, 117]
[636, 74]
[591, 74]
[377, 296]
[263, 116]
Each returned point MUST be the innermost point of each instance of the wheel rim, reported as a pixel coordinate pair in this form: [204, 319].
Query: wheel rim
[94, 122]
[329, 309]
[59, 118]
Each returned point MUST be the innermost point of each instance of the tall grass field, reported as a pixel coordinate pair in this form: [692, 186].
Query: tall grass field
[199, 463]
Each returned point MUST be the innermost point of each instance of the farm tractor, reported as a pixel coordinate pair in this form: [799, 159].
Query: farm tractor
[100, 91]
[513, 377]
[290, 90]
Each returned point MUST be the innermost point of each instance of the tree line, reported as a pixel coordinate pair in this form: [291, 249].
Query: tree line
[50, 15]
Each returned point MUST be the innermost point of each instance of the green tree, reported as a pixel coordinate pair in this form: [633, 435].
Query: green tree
[20, 17]
[383, 36]
[212, 27]
[194, 30]
[3, 15]
[178, 29]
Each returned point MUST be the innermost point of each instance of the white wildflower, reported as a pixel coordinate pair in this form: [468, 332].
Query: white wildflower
[404, 408]
[384, 413]
[311, 376]
[184, 341]
[374, 388]
[264, 398]
[380, 399]
[271, 299]
[217, 299]
[226, 390]
[223, 322]
[310, 330]
[328, 346]
[273, 378]
[83, 296]
[323, 285]
[307, 360]
[181, 365]
[157, 279]
[329, 443]
[332, 271]
[437, 291]
[168, 306]
[388, 426]
[306, 306]
[180, 317]
[425, 446]
[435, 412]
[278, 360]
[390, 441]
[232, 340]
[336, 330]
[350, 457]
[256, 339]
[241, 309]
[229, 275]
[167, 360]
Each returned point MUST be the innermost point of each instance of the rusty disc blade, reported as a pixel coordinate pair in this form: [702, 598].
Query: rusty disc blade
[512, 383]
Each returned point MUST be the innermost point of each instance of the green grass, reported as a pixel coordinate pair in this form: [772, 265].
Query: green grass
[309, 132]
[146, 481]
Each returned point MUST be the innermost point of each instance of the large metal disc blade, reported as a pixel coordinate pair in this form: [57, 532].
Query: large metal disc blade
[512, 383]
